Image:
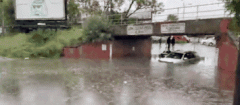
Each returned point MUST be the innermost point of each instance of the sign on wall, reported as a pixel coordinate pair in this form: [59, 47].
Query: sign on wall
[139, 29]
[40, 9]
[104, 47]
[173, 28]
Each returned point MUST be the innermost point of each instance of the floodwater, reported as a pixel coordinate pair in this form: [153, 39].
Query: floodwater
[126, 81]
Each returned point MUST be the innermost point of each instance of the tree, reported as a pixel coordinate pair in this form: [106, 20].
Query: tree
[73, 11]
[90, 6]
[9, 15]
[134, 6]
[172, 17]
[97, 28]
[234, 7]
[9, 12]
[142, 4]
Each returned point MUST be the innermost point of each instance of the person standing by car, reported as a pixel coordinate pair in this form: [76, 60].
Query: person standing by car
[172, 42]
[168, 42]
[160, 42]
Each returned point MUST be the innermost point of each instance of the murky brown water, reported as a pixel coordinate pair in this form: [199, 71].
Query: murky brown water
[126, 81]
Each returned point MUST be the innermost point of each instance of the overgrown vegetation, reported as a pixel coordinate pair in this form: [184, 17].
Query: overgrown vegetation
[172, 17]
[181, 42]
[49, 43]
[233, 26]
[9, 16]
[233, 6]
[97, 28]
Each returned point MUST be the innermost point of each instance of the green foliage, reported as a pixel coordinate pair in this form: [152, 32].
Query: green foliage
[73, 11]
[48, 43]
[41, 37]
[181, 41]
[172, 17]
[96, 28]
[40, 43]
[9, 16]
[70, 37]
[234, 7]
[90, 6]
[234, 26]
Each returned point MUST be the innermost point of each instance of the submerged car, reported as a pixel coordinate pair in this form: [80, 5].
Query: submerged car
[180, 57]
[164, 54]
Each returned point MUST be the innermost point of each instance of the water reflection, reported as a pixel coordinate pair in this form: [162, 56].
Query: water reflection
[169, 75]
[10, 86]
[126, 81]
[126, 95]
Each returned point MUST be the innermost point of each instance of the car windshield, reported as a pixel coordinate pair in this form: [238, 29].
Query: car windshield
[175, 55]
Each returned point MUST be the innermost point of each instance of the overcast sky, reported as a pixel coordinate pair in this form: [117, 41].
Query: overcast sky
[180, 3]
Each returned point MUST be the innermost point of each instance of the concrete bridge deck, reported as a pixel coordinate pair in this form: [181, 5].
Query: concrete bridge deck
[189, 27]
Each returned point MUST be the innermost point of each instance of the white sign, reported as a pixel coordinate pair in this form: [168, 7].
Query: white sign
[139, 30]
[173, 28]
[40, 10]
[41, 24]
[104, 47]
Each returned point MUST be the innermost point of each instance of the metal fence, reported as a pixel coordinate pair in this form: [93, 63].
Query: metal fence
[204, 11]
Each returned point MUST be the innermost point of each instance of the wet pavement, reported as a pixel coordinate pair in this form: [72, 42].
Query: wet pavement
[126, 81]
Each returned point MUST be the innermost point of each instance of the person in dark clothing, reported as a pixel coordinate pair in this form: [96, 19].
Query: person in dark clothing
[168, 42]
[160, 42]
[172, 42]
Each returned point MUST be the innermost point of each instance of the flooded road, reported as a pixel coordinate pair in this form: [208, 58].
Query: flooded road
[126, 81]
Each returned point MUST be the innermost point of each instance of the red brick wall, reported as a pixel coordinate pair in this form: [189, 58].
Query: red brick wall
[94, 50]
[146, 48]
[90, 50]
[227, 59]
[227, 64]
[120, 48]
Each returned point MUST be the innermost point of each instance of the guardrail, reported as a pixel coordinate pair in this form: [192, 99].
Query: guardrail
[182, 13]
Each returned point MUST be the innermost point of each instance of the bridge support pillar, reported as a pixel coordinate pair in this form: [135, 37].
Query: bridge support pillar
[227, 59]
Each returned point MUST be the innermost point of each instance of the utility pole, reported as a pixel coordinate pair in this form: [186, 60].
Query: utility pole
[2, 17]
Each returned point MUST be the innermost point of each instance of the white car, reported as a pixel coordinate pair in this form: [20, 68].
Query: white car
[208, 41]
[180, 57]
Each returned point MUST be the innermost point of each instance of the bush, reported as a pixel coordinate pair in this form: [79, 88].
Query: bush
[48, 43]
[96, 28]
[40, 43]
